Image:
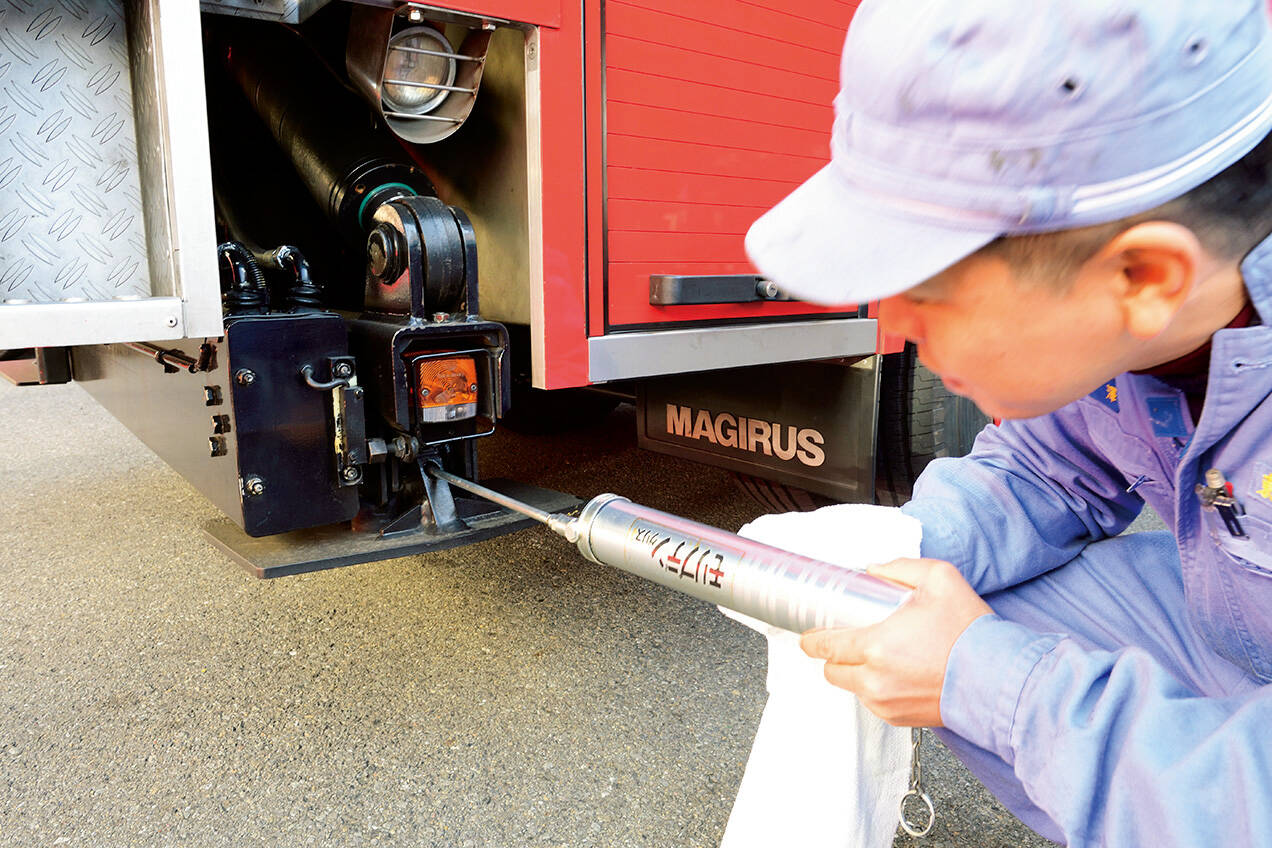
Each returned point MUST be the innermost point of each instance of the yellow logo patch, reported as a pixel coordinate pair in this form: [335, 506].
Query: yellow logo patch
[1110, 393]
[1265, 487]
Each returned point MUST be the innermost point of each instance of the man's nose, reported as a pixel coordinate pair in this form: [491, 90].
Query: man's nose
[897, 316]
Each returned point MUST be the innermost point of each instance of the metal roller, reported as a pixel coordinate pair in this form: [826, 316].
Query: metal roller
[775, 586]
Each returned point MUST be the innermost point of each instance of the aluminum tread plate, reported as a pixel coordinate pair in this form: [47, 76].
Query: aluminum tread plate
[71, 222]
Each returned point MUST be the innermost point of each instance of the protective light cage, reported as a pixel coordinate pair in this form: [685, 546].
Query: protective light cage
[405, 62]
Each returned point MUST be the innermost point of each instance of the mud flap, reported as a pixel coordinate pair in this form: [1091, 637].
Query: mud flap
[809, 425]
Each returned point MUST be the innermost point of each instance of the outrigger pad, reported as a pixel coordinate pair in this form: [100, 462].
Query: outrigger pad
[337, 545]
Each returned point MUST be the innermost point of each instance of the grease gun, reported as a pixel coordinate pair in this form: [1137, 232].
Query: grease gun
[775, 586]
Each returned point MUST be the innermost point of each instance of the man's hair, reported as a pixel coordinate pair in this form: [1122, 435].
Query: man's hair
[1230, 214]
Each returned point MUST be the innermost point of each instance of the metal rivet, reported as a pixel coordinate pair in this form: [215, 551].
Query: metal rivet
[172, 321]
[244, 377]
[352, 473]
[254, 486]
[343, 369]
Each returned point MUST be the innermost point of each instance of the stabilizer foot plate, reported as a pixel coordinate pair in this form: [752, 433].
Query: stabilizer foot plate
[337, 545]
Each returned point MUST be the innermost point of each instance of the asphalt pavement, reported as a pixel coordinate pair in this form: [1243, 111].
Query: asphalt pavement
[507, 693]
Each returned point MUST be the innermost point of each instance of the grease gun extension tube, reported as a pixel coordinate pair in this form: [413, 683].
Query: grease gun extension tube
[775, 586]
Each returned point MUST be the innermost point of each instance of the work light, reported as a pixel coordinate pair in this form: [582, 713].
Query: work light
[419, 71]
[419, 67]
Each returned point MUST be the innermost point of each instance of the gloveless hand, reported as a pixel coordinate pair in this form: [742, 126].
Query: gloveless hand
[897, 667]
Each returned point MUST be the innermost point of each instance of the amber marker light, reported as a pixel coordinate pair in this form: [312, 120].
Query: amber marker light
[445, 388]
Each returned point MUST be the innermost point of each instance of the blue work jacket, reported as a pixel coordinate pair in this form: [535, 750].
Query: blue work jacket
[1113, 748]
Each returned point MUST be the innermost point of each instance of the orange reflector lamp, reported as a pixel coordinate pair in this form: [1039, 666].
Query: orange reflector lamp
[445, 388]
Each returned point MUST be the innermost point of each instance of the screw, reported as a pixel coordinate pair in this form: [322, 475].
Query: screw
[172, 321]
[425, 393]
[473, 387]
[244, 377]
[766, 289]
[351, 473]
[254, 486]
[343, 369]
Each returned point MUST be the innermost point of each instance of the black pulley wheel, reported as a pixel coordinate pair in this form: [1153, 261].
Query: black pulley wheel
[919, 420]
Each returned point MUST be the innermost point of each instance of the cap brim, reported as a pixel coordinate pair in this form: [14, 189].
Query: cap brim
[831, 243]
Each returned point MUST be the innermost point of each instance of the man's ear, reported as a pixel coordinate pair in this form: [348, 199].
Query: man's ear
[1154, 266]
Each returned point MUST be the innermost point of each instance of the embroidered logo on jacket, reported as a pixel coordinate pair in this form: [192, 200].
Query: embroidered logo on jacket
[1107, 395]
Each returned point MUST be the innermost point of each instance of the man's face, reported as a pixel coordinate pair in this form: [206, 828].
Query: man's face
[1017, 349]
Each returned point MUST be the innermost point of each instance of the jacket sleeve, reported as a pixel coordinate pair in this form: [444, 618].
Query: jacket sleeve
[1027, 499]
[1110, 745]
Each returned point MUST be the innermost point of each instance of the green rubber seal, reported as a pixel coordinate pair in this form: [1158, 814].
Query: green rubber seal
[363, 208]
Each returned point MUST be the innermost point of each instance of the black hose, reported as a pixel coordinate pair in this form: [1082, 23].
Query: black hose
[249, 292]
[304, 295]
[235, 248]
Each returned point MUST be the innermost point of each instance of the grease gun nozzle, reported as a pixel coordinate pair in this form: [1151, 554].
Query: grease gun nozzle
[565, 526]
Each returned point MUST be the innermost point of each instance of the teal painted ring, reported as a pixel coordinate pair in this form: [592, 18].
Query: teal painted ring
[363, 208]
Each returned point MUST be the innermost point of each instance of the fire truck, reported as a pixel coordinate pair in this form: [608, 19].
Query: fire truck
[304, 249]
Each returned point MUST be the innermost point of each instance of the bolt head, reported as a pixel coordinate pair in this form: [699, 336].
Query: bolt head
[351, 473]
[766, 289]
[382, 252]
[415, 16]
[244, 377]
[343, 369]
[254, 486]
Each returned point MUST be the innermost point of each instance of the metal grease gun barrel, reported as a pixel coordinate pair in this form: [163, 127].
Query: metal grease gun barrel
[775, 586]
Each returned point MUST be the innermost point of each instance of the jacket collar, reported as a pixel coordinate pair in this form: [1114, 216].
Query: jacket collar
[1256, 271]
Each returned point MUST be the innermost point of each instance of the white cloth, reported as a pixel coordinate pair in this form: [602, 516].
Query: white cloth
[823, 772]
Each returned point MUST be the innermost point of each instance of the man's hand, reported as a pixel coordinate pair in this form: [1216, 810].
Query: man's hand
[897, 667]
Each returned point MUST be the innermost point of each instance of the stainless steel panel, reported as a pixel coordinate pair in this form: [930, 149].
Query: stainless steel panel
[285, 11]
[623, 356]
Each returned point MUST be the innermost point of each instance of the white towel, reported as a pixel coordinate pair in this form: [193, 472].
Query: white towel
[823, 772]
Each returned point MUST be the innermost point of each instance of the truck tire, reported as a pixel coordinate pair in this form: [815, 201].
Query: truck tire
[919, 420]
[777, 497]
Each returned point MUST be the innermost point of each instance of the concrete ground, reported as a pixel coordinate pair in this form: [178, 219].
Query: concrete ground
[507, 693]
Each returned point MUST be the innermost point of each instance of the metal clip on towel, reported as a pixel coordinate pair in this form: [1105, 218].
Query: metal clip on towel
[916, 791]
